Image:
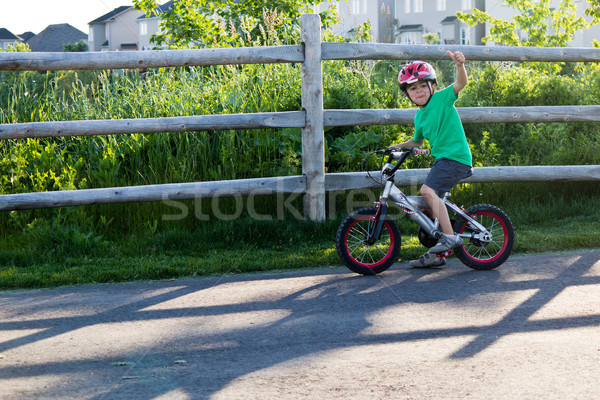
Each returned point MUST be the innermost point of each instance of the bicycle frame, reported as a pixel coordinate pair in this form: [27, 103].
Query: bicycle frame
[412, 206]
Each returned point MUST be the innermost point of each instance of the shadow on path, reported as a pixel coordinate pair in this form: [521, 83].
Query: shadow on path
[266, 320]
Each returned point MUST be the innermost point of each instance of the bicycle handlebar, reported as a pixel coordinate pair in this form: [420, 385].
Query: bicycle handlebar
[413, 151]
[399, 155]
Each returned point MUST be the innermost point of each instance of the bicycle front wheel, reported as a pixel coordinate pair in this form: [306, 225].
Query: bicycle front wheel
[356, 253]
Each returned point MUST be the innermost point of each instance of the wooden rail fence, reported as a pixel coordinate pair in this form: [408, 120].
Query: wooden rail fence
[313, 182]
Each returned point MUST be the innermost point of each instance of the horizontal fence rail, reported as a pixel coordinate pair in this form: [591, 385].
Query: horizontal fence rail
[311, 119]
[468, 115]
[378, 51]
[35, 61]
[290, 119]
[281, 185]
[161, 192]
[562, 173]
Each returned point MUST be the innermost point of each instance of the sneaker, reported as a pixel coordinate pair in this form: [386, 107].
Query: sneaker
[446, 242]
[428, 260]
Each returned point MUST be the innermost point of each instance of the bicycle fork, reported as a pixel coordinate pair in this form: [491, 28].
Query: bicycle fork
[375, 230]
[374, 233]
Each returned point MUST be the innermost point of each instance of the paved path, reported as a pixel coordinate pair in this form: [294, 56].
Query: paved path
[528, 330]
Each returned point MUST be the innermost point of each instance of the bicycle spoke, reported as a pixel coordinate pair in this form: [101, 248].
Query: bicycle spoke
[362, 252]
[486, 251]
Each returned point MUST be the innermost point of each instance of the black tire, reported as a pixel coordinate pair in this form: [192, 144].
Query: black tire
[484, 256]
[363, 258]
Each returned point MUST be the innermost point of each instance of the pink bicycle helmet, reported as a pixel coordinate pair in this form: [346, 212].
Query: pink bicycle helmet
[416, 71]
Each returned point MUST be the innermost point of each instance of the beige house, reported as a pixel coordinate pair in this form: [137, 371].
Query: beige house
[406, 21]
[115, 31]
[148, 26]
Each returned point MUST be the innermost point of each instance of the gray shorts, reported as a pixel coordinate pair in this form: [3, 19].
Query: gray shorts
[445, 174]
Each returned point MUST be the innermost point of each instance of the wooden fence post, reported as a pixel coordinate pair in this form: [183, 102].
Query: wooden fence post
[313, 137]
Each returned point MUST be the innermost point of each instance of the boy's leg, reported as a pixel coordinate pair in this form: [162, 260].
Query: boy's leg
[438, 209]
[444, 175]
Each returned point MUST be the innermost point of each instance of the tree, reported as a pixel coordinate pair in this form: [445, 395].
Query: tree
[594, 11]
[206, 23]
[431, 38]
[542, 25]
[17, 47]
[75, 47]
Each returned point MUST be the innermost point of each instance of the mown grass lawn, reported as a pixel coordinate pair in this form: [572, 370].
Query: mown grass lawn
[234, 247]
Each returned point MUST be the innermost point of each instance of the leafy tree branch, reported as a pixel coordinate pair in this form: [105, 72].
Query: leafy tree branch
[211, 23]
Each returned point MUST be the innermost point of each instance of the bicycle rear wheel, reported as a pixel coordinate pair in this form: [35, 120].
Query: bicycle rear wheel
[359, 256]
[482, 255]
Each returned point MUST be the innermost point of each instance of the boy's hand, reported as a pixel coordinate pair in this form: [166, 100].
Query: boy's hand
[461, 72]
[457, 57]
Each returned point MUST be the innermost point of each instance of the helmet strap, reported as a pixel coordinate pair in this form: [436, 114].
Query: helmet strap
[430, 95]
[430, 92]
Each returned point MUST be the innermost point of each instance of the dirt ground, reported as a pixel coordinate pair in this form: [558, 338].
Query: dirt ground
[528, 330]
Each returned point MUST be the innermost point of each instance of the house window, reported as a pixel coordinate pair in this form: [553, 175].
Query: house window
[407, 6]
[441, 5]
[355, 7]
[107, 31]
[410, 38]
[91, 35]
[463, 36]
[143, 28]
[418, 6]
[467, 5]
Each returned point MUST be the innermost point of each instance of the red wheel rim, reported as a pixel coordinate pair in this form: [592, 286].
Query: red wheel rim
[357, 241]
[497, 226]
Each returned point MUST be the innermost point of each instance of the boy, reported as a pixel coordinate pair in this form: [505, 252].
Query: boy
[437, 121]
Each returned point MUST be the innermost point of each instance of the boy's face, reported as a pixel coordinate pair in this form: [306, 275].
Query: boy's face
[419, 92]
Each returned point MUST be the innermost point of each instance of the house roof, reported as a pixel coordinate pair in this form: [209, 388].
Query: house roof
[54, 36]
[159, 10]
[5, 34]
[110, 15]
[405, 28]
[26, 35]
[449, 20]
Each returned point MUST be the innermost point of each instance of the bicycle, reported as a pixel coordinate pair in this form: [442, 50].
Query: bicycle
[368, 240]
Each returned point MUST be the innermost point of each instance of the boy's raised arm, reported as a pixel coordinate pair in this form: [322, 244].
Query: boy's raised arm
[461, 72]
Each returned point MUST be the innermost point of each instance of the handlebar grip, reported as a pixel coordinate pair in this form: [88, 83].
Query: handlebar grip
[420, 152]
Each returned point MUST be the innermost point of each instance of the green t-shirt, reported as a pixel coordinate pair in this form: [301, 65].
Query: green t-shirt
[439, 123]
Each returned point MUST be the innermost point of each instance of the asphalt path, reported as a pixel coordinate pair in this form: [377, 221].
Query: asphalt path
[528, 330]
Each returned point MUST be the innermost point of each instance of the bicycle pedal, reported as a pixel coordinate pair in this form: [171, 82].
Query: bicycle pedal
[444, 254]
